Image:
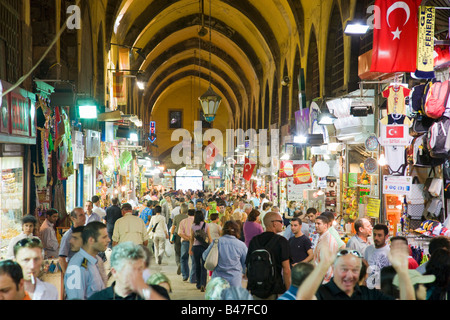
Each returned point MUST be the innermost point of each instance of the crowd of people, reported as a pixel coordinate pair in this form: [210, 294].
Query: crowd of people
[263, 254]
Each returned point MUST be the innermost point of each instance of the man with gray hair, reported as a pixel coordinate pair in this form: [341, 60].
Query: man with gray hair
[362, 239]
[127, 265]
[78, 218]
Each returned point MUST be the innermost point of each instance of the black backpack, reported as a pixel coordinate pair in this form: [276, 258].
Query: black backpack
[201, 236]
[261, 273]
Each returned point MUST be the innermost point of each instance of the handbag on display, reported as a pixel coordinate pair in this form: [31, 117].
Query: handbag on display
[435, 187]
[212, 260]
[434, 207]
[416, 194]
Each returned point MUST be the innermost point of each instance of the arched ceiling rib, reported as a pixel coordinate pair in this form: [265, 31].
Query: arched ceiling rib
[248, 40]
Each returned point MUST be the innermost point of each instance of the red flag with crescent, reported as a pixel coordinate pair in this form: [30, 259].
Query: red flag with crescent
[211, 152]
[249, 166]
[395, 36]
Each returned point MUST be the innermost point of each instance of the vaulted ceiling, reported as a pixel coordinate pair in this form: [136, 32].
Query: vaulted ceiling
[248, 38]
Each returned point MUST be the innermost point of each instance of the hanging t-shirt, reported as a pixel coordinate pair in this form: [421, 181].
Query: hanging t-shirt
[396, 98]
[395, 118]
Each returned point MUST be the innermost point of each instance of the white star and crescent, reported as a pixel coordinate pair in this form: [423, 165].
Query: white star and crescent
[398, 5]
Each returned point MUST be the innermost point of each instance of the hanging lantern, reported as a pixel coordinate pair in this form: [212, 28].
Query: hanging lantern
[210, 102]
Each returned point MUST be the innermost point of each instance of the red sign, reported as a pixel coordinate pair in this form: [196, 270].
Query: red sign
[394, 131]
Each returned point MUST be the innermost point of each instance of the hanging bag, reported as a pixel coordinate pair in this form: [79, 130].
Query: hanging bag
[212, 260]
[415, 200]
[436, 99]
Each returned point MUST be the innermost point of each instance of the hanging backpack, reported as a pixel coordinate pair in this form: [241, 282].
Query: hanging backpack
[438, 139]
[421, 124]
[421, 154]
[261, 272]
[436, 99]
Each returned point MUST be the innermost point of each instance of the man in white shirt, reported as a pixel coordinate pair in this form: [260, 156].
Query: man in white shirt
[28, 254]
[97, 209]
[48, 234]
[90, 214]
[377, 255]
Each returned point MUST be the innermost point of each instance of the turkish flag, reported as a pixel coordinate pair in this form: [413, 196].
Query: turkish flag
[211, 152]
[249, 166]
[394, 132]
[395, 36]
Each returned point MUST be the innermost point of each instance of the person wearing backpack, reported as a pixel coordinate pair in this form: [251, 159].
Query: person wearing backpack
[200, 240]
[267, 262]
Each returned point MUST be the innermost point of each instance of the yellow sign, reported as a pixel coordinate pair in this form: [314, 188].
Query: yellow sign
[425, 39]
[373, 207]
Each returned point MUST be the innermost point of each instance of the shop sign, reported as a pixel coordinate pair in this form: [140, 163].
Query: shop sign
[17, 111]
[373, 207]
[152, 134]
[399, 185]
[394, 135]
[78, 147]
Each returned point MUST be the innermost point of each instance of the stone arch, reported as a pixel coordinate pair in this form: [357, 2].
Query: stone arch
[285, 98]
[275, 114]
[295, 83]
[312, 71]
[266, 106]
[334, 61]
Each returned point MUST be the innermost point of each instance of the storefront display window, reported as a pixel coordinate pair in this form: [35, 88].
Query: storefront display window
[11, 204]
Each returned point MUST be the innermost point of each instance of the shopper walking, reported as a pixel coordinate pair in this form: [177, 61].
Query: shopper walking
[29, 223]
[278, 247]
[377, 255]
[176, 239]
[160, 233]
[325, 240]
[185, 233]
[362, 239]
[197, 247]
[78, 218]
[48, 234]
[91, 215]
[28, 254]
[113, 213]
[232, 255]
[299, 245]
[129, 228]
[83, 276]
[252, 227]
[97, 208]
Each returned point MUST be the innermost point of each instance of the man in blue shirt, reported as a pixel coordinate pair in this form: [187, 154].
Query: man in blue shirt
[78, 218]
[83, 276]
[299, 273]
[147, 212]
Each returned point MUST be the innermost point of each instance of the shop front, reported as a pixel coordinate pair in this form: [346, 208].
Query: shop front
[17, 134]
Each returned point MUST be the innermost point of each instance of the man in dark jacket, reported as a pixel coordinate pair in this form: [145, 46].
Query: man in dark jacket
[112, 214]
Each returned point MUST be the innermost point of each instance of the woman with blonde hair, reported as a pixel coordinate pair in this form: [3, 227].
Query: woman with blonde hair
[227, 216]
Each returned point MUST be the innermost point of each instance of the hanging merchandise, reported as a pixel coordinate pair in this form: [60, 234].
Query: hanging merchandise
[436, 99]
[370, 165]
[371, 143]
[438, 138]
[425, 43]
[396, 95]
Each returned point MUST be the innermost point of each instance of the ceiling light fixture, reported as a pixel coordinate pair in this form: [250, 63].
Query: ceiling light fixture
[210, 100]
